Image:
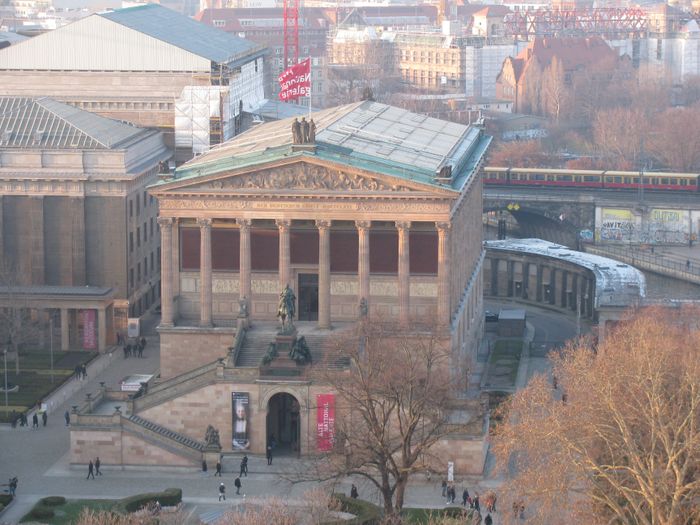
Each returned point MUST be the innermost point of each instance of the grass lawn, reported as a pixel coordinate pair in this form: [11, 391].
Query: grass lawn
[422, 516]
[34, 378]
[504, 361]
[69, 512]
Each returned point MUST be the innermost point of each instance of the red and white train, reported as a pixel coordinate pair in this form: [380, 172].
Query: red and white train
[591, 179]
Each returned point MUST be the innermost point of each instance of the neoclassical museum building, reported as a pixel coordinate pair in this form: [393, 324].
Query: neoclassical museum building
[371, 210]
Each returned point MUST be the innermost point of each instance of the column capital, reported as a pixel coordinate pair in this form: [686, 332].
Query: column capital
[443, 227]
[204, 222]
[244, 224]
[283, 224]
[165, 221]
[323, 224]
[403, 225]
[363, 225]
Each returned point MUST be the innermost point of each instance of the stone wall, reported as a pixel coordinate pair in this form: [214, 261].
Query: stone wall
[183, 349]
[116, 448]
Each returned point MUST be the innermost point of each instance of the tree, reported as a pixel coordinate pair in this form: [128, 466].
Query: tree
[520, 154]
[675, 143]
[554, 93]
[619, 136]
[393, 406]
[623, 445]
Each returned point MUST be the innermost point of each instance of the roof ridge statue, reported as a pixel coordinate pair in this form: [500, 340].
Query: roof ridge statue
[303, 132]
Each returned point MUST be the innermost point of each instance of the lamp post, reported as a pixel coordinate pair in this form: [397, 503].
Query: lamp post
[51, 342]
[4, 354]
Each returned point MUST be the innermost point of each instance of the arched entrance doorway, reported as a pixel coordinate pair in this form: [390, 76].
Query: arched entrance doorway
[283, 429]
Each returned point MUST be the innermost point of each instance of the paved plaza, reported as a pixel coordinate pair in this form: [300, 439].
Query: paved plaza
[40, 458]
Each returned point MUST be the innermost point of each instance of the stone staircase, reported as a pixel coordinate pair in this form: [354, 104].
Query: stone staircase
[324, 351]
[164, 437]
[255, 347]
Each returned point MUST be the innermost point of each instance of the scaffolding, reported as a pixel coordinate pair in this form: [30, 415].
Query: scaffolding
[606, 22]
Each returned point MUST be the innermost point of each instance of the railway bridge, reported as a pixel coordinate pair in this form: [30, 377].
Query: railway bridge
[569, 216]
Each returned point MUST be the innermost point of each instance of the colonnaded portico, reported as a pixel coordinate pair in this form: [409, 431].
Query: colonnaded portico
[351, 222]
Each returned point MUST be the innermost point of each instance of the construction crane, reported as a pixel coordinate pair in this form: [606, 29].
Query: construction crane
[291, 32]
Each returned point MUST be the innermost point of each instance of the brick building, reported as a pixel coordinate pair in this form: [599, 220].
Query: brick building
[74, 213]
[379, 216]
[520, 78]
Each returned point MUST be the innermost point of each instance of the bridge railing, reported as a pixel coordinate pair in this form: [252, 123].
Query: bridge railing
[689, 268]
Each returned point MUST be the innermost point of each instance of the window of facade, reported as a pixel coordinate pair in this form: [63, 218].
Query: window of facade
[138, 206]
[138, 273]
[138, 236]
[131, 242]
[131, 208]
[131, 278]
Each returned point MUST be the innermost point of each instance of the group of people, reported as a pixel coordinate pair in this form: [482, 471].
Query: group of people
[23, 422]
[134, 349]
[449, 492]
[13, 485]
[94, 468]
[81, 372]
[236, 483]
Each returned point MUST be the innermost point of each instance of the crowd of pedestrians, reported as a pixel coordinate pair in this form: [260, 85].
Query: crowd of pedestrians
[449, 492]
[133, 348]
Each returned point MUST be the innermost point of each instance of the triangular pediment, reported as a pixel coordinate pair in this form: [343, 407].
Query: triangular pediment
[301, 177]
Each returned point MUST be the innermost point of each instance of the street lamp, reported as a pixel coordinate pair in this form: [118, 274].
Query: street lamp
[9, 344]
[51, 342]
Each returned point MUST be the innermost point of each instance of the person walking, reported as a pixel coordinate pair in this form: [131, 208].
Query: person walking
[66, 416]
[269, 455]
[44, 417]
[444, 488]
[218, 469]
[97, 466]
[244, 467]
[465, 497]
[353, 492]
[237, 484]
[91, 470]
[83, 370]
[13, 485]
[453, 494]
[488, 520]
[476, 503]
[222, 491]
[140, 349]
[35, 421]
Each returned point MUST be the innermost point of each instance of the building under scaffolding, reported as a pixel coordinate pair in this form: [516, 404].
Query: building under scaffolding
[147, 65]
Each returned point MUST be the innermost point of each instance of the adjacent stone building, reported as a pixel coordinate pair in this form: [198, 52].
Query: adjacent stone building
[375, 211]
[74, 212]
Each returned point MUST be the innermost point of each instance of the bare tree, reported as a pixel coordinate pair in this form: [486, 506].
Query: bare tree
[521, 154]
[618, 439]
[555, 93]
[675, 143]
[393, 406]
[619, 135]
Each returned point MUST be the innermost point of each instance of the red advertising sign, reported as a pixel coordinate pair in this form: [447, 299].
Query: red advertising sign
[295, 81]
[325, 421]
[89, 329]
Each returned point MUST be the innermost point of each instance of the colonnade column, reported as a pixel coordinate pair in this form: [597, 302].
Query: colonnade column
[244, 258]
[166, 272]
[205, 292]
[284, 259]
[324, 273]
[65, 330]
[443, 298]
[404, 273]
[363, 228]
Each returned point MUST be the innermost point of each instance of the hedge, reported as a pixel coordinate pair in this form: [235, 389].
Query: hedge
[42, 513]
[53, 501]
[167, 498]
[5, 499]
[366, 513]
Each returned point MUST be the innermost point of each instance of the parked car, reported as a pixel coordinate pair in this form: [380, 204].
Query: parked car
[491, 317]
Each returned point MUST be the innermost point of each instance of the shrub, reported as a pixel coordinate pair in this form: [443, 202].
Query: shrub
[53, 501]
[365, 512]
[167, 498]
[5, 499]
[41, 513]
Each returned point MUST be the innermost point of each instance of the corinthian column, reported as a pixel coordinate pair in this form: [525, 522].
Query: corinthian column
[443, 298]
[284, 272]
[404, 273]
[205, 291]
[324, 273]
[166, 272]
[244, 258]
[363, 228]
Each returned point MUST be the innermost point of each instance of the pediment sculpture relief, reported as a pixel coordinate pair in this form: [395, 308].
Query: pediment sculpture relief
[305, 177]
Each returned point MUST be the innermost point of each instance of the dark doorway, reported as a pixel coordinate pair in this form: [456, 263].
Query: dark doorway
[283, 424]
[308, 297]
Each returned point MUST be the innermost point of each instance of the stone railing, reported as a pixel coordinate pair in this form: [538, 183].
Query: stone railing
[237, 345]
[177, 386]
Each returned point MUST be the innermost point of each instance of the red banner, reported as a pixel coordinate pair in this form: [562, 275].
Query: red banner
[325, 421]
[295, 81]
[89, 329]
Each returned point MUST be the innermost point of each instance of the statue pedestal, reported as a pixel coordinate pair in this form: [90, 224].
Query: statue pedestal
[283, 344]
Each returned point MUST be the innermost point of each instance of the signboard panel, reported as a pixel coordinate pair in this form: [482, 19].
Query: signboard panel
[616, 224]
[325, 421]
[89, 329]
[240, 403]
